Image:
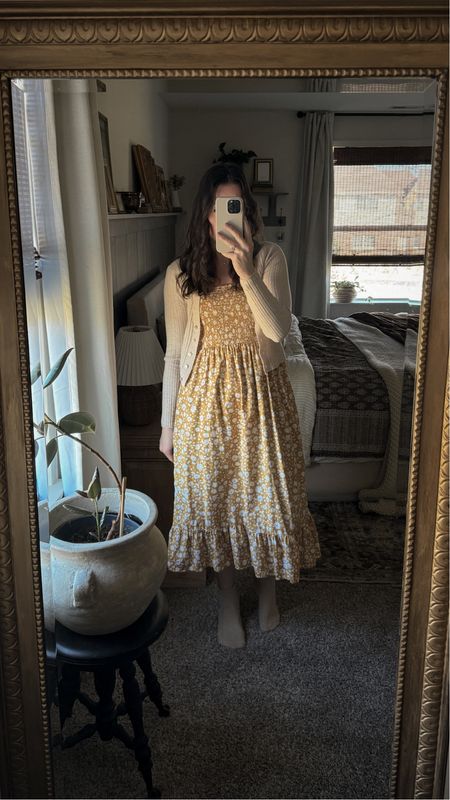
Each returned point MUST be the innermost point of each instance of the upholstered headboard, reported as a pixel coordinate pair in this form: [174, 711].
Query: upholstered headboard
[147, 305]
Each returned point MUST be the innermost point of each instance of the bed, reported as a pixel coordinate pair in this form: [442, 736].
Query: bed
[353, 383]
[364, 371]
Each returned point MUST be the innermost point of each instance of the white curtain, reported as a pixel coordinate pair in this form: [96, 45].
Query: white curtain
[35, 325]
[71, 230]
[312, 243]
[83, 196]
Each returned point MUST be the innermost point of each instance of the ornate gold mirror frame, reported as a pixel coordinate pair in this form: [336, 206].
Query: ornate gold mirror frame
[250, 38]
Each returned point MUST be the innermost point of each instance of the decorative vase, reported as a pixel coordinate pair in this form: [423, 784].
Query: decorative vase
[344, 295]
[102, 587]
[176, 204]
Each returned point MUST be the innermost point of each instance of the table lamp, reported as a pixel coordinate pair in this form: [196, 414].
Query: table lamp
[140, 367]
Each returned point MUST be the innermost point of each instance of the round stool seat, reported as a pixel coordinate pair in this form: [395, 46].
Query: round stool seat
[112, 649]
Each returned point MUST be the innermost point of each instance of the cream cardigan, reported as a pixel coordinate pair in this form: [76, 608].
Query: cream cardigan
[268, 294]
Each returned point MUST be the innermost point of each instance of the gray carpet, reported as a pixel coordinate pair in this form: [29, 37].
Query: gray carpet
[305, 711]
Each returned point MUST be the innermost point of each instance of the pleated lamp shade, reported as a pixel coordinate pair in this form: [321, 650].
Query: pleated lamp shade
[140, 367]
[139, 356]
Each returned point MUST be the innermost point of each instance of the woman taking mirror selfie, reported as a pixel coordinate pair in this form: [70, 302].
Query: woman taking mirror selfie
[229, 420]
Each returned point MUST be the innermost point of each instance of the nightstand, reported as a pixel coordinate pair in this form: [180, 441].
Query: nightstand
[149, 471]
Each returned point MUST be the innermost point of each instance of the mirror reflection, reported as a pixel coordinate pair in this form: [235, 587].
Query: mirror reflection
[223, 288]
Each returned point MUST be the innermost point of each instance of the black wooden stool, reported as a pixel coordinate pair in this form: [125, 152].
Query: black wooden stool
[103, 655]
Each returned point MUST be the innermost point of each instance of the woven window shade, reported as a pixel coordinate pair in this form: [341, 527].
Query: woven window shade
[381, 199]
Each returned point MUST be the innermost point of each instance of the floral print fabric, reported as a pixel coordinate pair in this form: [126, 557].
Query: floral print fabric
[239, 479]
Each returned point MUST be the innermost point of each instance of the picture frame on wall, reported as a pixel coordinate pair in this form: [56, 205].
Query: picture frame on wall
[263, 172]
[106, 152]
[162, 189]
[149, 178]
[110, 193]
[169, 196]
[120, 205]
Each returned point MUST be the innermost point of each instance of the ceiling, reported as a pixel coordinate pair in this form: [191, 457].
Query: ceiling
[352, 95]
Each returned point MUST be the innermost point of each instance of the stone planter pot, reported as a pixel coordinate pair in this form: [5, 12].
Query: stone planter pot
[102, 587]
[344, 295]
[46, 578]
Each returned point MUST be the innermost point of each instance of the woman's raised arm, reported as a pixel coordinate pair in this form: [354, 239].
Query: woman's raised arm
[269, 297]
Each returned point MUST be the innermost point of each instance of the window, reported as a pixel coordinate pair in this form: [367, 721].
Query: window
[37, 204]
[381, 198]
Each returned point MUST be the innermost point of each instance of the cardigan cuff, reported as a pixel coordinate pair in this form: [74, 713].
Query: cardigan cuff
[249, 278]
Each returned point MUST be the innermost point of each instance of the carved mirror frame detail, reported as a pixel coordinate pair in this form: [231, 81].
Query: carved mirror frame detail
[40, 46]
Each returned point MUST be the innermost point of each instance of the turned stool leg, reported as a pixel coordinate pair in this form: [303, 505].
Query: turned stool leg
[152, 684]
[68, 691]
[133, 702]
[105, 710]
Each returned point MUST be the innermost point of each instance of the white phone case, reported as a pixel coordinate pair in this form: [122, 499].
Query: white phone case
[222, 217]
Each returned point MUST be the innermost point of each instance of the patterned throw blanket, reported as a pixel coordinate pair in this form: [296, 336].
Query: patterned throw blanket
[353, 406]
[352, 414]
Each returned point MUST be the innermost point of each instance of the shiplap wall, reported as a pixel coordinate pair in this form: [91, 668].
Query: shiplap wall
[141, 246]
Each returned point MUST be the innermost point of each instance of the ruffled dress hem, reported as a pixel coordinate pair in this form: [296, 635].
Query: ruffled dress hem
[281, 555]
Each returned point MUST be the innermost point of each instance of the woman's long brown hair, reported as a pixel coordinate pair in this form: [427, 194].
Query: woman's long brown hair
[197, 260]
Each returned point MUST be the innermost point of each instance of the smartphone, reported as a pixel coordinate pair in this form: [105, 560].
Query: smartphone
[228, 209]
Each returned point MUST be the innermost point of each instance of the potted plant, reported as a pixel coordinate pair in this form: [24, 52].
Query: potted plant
[105, 558]
[235, 156]
[175, 183]
[345, 291]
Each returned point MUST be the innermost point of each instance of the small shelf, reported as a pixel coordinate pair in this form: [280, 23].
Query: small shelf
[272, 220]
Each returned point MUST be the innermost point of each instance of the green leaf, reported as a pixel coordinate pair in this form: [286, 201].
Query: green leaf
[81, 493]
[56, 369]
[35, 373]
[39, 428]
[94, 489]
[78, 422]
[51, 450]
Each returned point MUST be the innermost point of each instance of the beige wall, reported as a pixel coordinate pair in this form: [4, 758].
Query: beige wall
[185, 141]
[194, 140]
[412, 131]
[136, 115]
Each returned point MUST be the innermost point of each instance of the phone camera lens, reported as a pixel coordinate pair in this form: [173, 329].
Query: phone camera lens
[234, 206]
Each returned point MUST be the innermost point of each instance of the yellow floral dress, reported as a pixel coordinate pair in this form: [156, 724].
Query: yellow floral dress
[238, 462]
